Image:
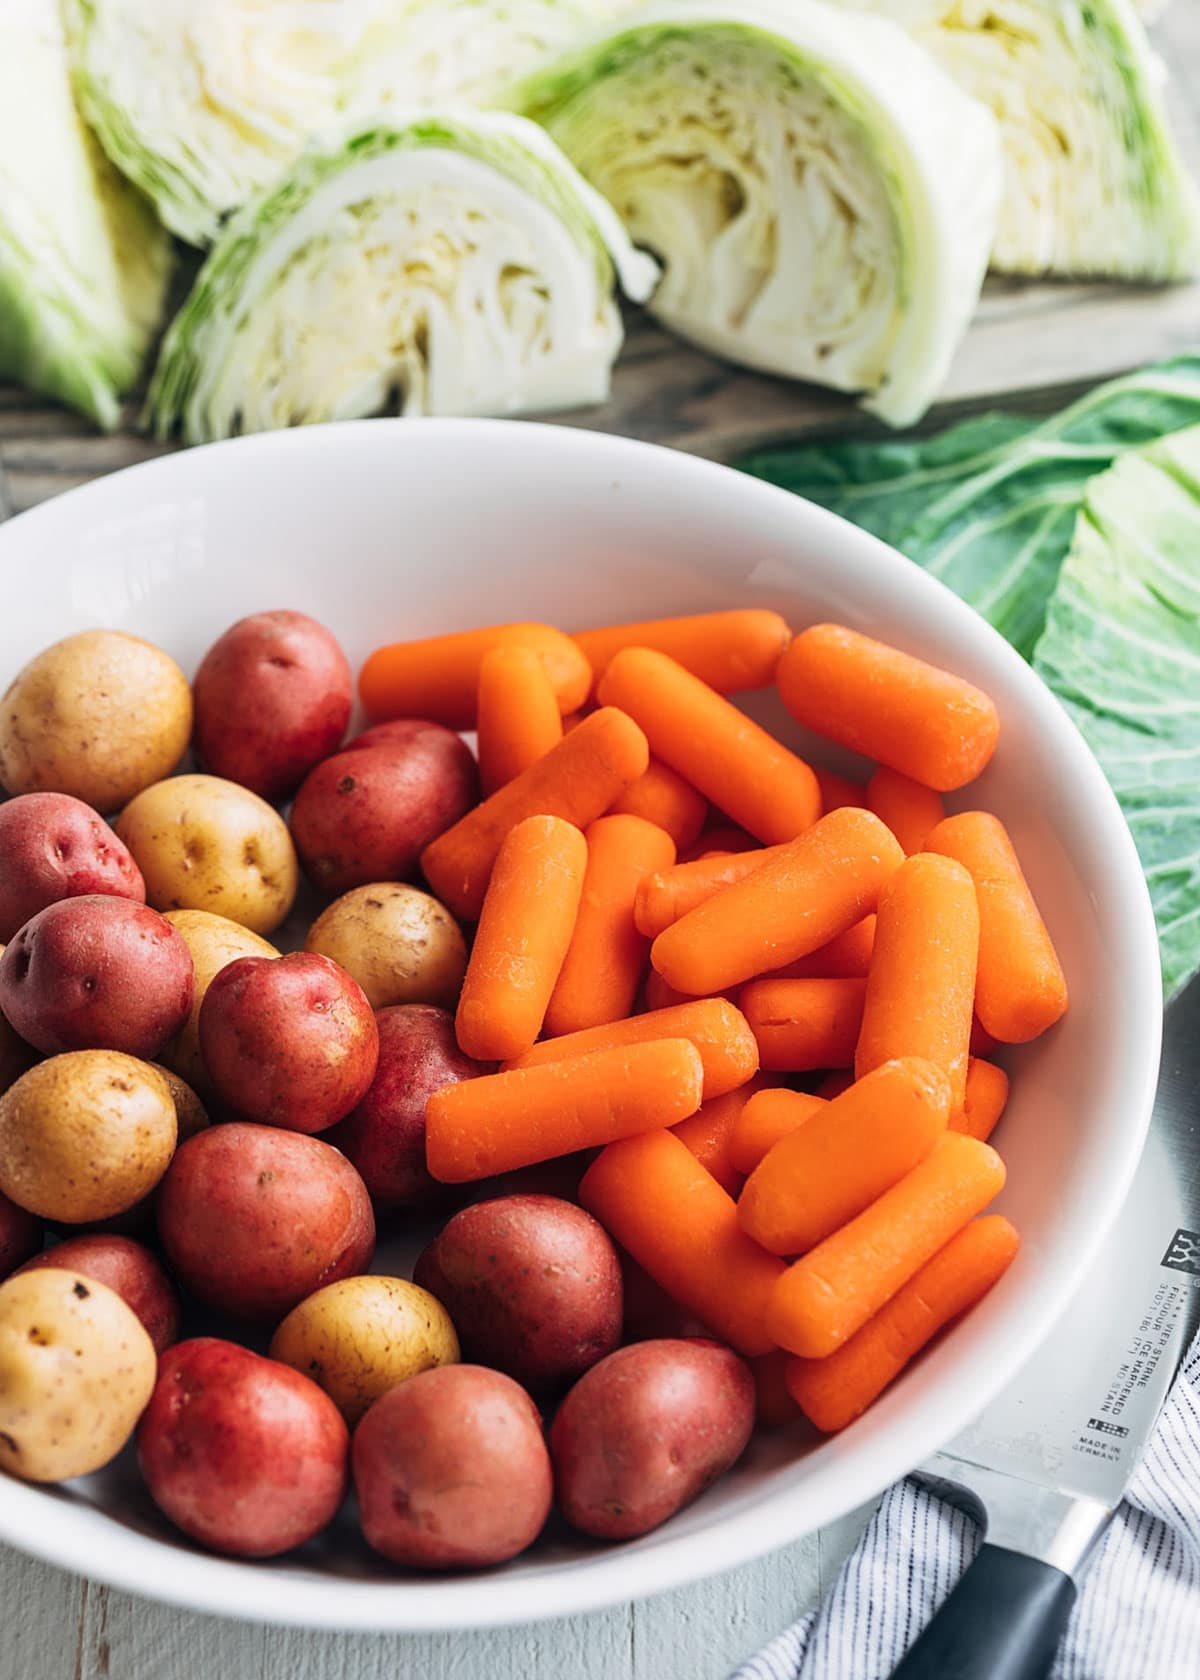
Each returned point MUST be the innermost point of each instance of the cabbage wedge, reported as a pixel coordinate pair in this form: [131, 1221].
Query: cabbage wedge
[203, 103]
[455, 265]
[83, 264]
[821, 195]
[1094, 182]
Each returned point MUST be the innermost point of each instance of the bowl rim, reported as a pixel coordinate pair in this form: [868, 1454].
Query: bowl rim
[206, 1582]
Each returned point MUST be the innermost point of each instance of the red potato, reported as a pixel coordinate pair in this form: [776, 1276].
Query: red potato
[52, 847]
[272, 698]
[21, 1235]
[16, 1057]
[451, 1470]
[533, 1285]
[366, 815]
[289, 1041]
[254, 1219]
[130, 1271]
[645, 1431]
[242, 1453]
[385, 1135]
[97, 973]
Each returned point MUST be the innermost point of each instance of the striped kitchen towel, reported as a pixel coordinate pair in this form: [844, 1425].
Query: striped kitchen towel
[1138, 1612]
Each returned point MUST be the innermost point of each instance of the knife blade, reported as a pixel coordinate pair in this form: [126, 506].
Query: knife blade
[1046, 1464]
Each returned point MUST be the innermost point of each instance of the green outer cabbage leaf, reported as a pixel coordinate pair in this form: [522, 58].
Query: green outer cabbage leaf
[821, 195]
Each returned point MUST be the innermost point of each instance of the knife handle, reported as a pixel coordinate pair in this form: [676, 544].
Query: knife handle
[1003, 1621]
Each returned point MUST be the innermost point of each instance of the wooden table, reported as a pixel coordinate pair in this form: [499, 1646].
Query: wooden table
[1032, 345]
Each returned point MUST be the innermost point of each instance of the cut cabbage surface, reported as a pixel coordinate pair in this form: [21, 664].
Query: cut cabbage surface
[83, 264]
[821, 195]
[1094, 181]
[205, 102]
[457, 265]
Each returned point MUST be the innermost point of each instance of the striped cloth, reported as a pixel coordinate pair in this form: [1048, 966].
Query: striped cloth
[1138, 1612]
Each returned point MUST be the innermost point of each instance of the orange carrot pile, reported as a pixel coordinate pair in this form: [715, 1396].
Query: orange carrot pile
[832, 1392]
[667, 801]
[747, 773]
[840, 1160]
[438, 678]
[500, 1121]
[809, 892]
[654, 1197]
[879, 701]
[910, 810]
[730, 651]
[606, 956]
[664, 897]
[517, 714]
[1021, 989]
[709, 1133]
[769, 1114]
[529, 916]
[578, 780]
[802, 1025]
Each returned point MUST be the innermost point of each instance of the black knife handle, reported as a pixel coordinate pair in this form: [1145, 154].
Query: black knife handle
[1003, 1621]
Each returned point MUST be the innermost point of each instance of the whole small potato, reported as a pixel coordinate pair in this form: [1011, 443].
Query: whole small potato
[364, 1335]
[242, 1453]
[97, 973]
[385, 1135]
[85, 1135]
[76, 1369]
[21, 1235]
[99, 715]
[451, 1470]
[645, 1431]
[289, 1041]
[400, 944]
[254, 1219]
[53, 846]
[129, 1269]
[207, 844]
[273, 698]
[533, 1285]
[213, 942]
[367, 814]
[190, 1118]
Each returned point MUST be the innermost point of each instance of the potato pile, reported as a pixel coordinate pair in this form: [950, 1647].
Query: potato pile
[204, 1120]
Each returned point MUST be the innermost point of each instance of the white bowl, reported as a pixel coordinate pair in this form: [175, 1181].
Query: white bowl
[389, 529]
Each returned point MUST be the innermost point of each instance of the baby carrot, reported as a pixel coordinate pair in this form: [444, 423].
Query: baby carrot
[848, 957]
[797, 901]
[652, 1195]
[911, 810]
[874, 699]
[827, 1296]
[598, 980]
[769, 1115]
[826, 1171]
[719, 1031]
[1020, 988]
[802, 1025]
[666, 896]
[500, 1121]
[832, 1392]
[774, 1407]
[577, 780]
[656, 994]
[709, 1132]
[837, 791]
[985, 1100]
[729, 651]
[922, 977]
[733, 761]
[723, 837]
[518, 716]
[524, 933]
[438, 678]
[666, 800]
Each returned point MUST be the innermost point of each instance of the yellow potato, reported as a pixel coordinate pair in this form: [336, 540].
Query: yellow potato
[206, 844]
[85, 1136]
[100, 715]
[76, 1371]
[400, 944]
[15, 1054]
[364, 1335]
[214, 942]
